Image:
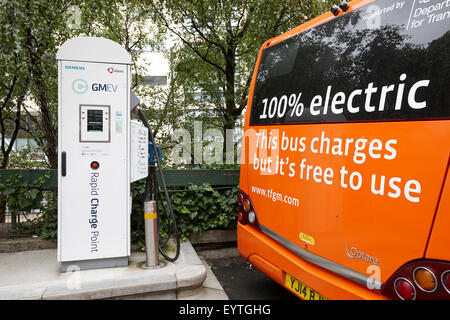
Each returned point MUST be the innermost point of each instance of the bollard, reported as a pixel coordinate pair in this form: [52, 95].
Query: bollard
[151, 234]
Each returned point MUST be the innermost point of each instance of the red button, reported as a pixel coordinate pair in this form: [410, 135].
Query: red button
[95, 165]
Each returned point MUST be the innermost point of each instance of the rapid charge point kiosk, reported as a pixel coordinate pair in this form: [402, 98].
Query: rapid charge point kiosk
[99, 154]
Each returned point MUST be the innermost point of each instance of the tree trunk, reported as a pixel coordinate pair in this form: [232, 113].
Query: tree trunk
[2, 211]
[37, 78]
[228, 145]
[47, 125]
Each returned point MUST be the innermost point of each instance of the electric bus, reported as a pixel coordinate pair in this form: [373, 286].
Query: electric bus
[344, 177]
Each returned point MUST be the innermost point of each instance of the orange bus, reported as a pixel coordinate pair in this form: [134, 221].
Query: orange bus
[344, 183]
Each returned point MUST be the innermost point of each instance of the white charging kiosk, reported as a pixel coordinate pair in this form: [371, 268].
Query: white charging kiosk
[95, 154]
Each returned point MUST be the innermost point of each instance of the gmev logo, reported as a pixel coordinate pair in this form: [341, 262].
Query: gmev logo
[80, 86]
[108, 87]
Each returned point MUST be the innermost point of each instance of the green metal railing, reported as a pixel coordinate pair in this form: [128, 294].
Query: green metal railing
[218, 179]
[173, 177]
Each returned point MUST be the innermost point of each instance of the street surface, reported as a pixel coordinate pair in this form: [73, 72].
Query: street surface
[242, 281]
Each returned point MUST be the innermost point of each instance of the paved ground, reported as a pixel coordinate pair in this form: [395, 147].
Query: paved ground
[242, 281]
[35, 275]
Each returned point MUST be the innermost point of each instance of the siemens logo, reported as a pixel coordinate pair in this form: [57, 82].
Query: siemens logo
[107, 87]
[75, 68]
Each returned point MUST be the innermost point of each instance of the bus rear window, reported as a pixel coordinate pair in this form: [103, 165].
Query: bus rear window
[380, 62]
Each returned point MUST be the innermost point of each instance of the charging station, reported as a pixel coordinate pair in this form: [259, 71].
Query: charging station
[101, 151]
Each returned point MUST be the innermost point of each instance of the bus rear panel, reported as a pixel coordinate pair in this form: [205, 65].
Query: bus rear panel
[345, 190]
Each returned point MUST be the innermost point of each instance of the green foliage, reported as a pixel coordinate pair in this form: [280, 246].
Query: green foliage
[22, 196]
[28, 158]
[200, 208]
[47, 226]
[197, 208]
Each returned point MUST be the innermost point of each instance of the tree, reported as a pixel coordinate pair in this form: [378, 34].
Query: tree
[13, 90]
[219, 42]
[37, 28]
[128, 22]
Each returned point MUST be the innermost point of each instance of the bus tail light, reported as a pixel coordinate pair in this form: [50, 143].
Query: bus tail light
[246, 211]
[425, 279]
[404, 289]
[445, 278]
[335, 10]
[246, 205]
[251, 217]
[344, 6]
[240, 199]
[421, 280]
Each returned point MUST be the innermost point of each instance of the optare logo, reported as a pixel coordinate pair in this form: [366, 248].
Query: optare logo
[354, 253]
[110, 70]
[79, 86]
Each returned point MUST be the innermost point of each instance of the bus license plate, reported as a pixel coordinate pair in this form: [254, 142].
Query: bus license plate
[302, 290]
